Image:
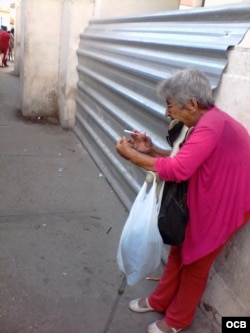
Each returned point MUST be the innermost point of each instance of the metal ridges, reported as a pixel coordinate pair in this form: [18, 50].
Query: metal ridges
[122, 60]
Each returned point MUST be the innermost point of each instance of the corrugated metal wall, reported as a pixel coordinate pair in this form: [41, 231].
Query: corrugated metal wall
[120, 63]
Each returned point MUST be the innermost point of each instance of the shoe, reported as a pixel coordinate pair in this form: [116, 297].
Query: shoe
[153, 328]
[135, 307]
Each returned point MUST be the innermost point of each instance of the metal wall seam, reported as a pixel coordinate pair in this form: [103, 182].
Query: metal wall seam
[120, 63]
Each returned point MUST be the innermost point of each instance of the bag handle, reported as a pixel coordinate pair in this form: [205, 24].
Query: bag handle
[153, 177]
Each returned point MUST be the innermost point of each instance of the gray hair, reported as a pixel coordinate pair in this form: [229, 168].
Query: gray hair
[186, 84]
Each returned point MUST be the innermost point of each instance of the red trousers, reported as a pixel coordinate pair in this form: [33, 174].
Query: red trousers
[181, 287]
[4, 57]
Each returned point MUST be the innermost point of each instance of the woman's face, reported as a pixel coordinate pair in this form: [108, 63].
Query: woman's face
[188, 114]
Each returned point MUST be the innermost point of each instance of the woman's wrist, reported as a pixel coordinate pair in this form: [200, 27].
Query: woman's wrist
[159, 152]
[142, 160]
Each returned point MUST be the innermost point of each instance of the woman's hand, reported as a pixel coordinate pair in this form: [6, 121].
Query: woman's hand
[141, 142]
[124, 147]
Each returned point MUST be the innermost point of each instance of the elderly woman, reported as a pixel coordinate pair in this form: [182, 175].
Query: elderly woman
[215, 159]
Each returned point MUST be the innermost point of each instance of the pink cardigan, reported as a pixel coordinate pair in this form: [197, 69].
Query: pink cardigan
[216, 160]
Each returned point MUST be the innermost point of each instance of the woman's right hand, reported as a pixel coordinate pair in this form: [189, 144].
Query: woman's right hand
[141, 142]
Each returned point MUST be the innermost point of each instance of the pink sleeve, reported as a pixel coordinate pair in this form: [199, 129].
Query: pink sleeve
[193, 154]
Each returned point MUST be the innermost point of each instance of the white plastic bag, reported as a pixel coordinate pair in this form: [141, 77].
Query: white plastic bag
[140, 246]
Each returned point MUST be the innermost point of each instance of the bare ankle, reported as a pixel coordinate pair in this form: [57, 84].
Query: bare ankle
[143, 303]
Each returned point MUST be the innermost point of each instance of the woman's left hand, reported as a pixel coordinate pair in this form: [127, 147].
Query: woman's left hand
[124, 147]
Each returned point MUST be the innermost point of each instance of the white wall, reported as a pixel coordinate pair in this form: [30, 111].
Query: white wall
[5, 18]
[187, 4]
[75, 17]
[232, 94]
[47, 60]
[40, 42]
[213, 3]
[18, 30]
[191, 3]
[111, 8]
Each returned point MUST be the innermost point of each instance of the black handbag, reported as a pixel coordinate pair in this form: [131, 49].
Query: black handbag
[173, 214]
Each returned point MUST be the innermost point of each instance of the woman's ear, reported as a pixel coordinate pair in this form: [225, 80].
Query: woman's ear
[192, 105]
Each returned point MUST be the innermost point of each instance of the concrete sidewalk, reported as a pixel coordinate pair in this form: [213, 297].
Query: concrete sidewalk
[60, 224]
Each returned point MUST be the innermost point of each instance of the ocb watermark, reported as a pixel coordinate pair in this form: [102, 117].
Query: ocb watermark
[231, 324]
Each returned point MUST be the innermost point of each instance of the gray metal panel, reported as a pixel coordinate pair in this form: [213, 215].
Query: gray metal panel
[122, 60]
